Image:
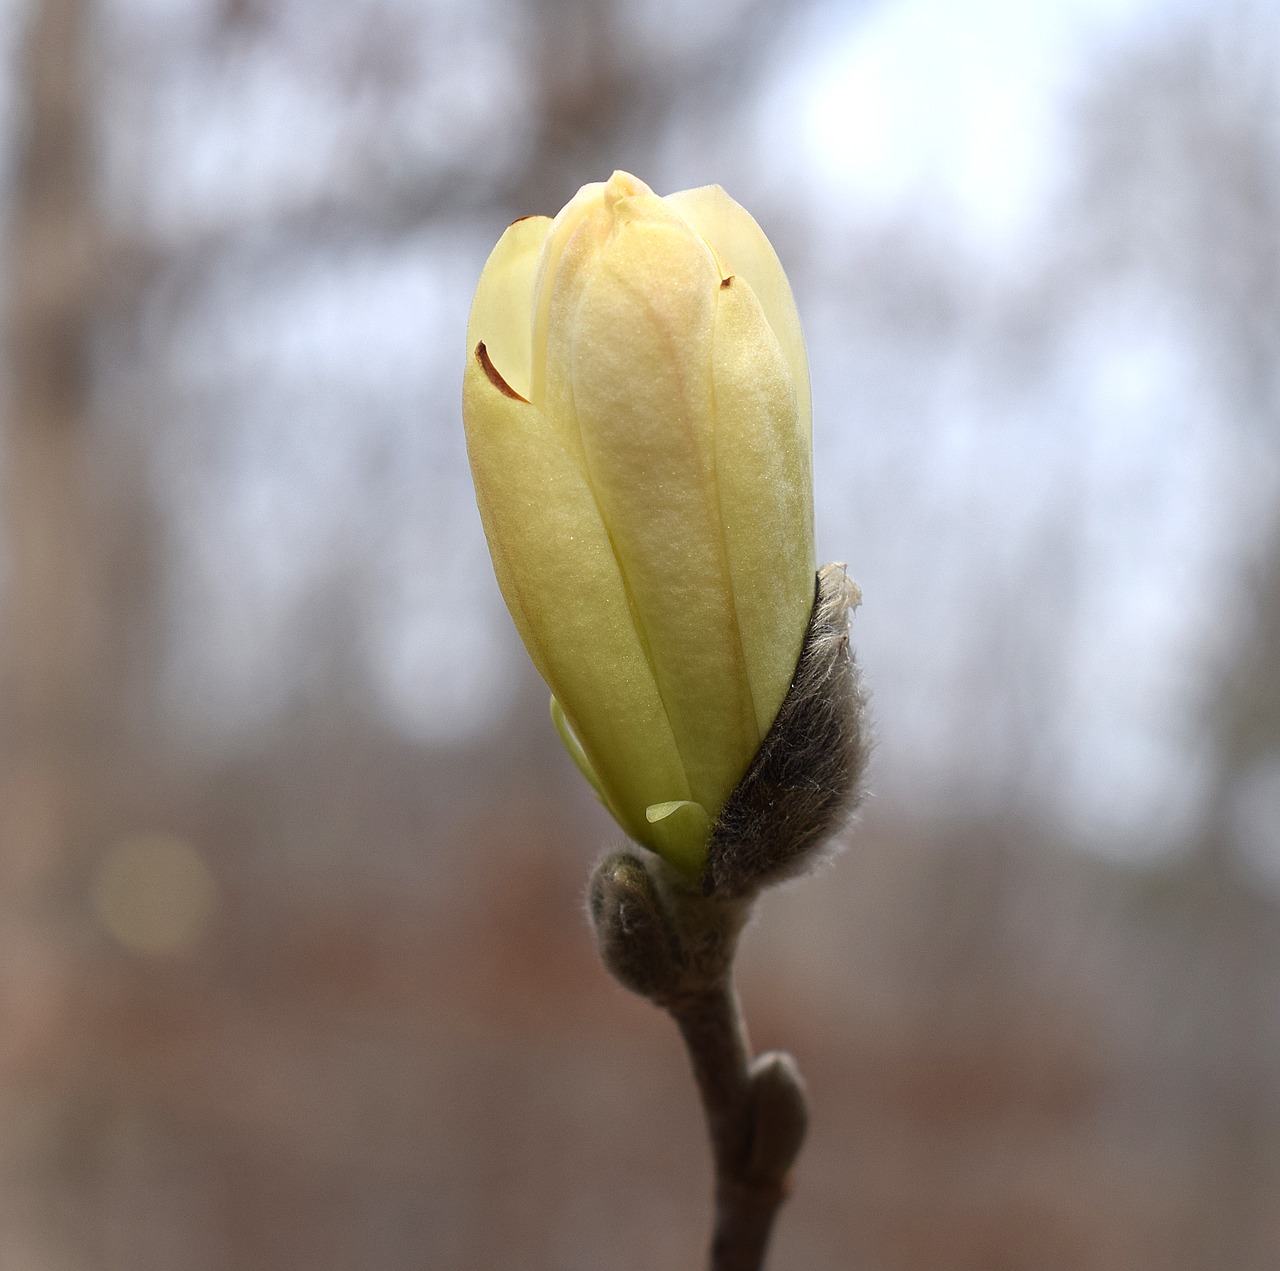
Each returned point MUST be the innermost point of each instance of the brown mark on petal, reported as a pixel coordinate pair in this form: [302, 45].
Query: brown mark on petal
[726, 282]
[518, 219]
[495, 376]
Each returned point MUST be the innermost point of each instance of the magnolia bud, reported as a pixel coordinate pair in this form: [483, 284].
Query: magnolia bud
[636, 402]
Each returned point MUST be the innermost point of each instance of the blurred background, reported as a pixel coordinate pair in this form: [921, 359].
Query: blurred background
[293, 965]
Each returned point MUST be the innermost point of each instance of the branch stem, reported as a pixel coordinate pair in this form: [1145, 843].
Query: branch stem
[747, 1199]
[675, 945]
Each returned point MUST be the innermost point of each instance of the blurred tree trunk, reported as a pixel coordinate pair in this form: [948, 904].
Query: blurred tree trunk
[1242, 1015]
[49, 621]
[52, 282]
[1248, 723]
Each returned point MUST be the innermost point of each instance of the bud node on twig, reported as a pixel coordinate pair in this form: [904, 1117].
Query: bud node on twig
[637, 940]
[779, 1115]
[658, 935]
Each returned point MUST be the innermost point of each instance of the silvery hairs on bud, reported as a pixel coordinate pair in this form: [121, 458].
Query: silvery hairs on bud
[806, 779]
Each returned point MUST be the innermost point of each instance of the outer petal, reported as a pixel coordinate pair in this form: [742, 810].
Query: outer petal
[560, 580]
[744, 250]
[641, 353]
[585, 206]
[578, 235]
[502, 311]
[681, 830]
[766, 499]
[569, 739]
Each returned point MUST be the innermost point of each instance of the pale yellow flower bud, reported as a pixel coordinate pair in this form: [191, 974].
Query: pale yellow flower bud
[636, 402]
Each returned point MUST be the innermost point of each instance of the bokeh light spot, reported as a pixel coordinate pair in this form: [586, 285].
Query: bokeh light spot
[155, 894]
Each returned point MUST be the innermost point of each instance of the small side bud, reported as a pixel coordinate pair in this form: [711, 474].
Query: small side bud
[806, 778]
[779, 1115]
[637, 941]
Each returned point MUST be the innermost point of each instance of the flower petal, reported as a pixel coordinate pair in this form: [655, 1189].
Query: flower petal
[558, 575]
[765, 480]
[502, 311]
[641, 353]
[681, 829]
[578, 235]
[585, 206]
[744, 250]
[569, 739]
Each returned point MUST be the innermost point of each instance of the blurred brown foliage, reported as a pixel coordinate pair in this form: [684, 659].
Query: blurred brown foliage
[326, 998]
